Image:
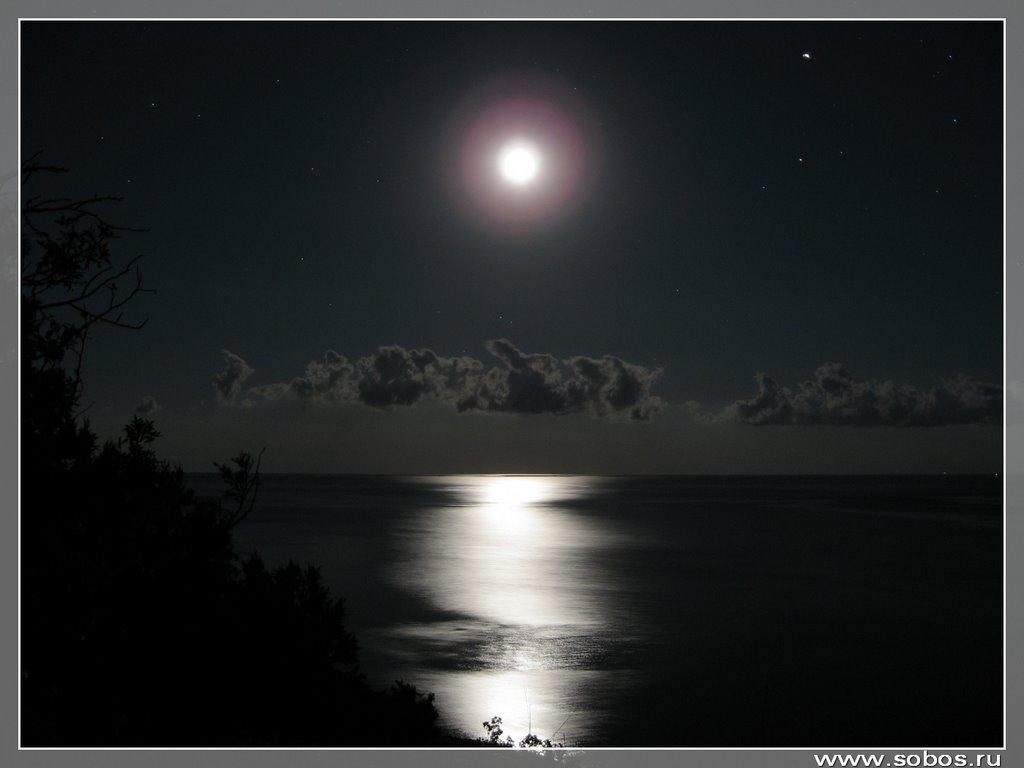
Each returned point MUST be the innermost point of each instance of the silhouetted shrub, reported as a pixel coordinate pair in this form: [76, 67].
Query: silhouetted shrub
[529, 741]
[140, 625]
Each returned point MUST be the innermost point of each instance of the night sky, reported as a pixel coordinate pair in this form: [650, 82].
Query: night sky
[748, 246]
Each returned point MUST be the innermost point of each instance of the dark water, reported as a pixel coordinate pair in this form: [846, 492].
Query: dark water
[683, 611]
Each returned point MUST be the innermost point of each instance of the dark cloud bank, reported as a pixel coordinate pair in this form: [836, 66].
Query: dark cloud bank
[525, 383]
[521, 383]
[833, 397]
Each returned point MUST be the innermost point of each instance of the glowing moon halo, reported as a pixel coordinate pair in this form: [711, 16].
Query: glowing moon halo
[519, 162]
[520, 152]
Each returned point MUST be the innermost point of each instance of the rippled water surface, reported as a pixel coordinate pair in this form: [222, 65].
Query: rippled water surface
[666, 611]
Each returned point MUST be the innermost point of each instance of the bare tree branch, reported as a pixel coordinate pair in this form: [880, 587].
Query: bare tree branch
[243, 484]
[70, 281]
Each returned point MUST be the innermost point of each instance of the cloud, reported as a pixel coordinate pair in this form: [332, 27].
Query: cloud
[228, 382]
[539, 383]
[771, 405]
[529, 383]
[328, 380]
[396, 376]
[521, 383]
[148, 407]
[833, 397]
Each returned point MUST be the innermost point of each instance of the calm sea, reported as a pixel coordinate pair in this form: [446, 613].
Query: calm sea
[681, 611]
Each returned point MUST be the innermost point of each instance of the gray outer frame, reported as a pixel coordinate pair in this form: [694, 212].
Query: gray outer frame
[583, 9]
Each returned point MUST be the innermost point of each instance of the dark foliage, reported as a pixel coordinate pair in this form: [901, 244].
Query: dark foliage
[529, 741]
[140, 625]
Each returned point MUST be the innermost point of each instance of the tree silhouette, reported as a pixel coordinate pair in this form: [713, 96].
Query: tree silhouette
[140, 625]
[529, 741]
[70, 284]
[243, 482]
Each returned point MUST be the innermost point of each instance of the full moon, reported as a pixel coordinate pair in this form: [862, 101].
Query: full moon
[520, 153]
[519, 162]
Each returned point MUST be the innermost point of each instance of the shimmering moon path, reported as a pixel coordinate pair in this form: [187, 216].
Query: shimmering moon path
[663, 611]
[520, 572]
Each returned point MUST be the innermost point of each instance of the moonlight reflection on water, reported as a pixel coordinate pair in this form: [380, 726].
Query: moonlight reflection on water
[504, 552]
[665, 611]
[521, 571]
